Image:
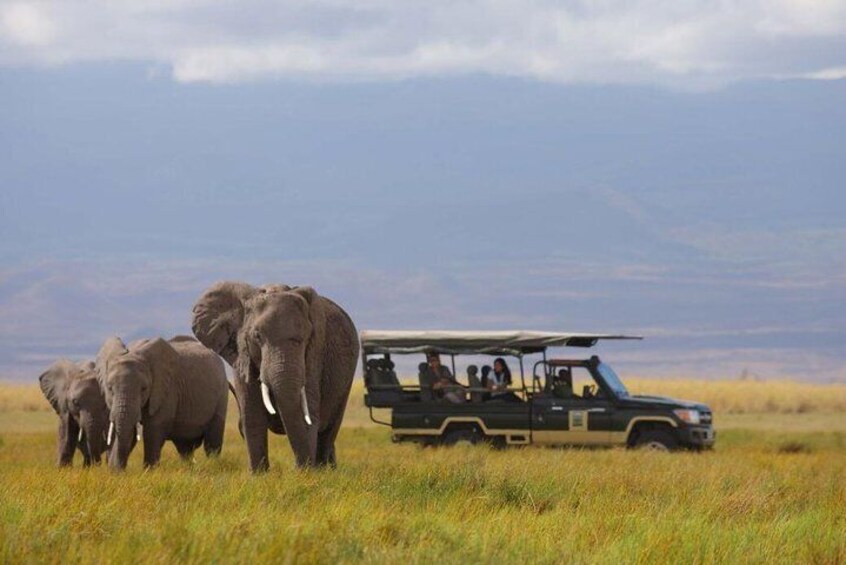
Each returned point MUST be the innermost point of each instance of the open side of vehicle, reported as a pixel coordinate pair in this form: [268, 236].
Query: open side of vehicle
[578, 402]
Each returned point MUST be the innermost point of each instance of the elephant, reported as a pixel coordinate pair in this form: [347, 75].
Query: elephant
[176, 389]
[74, 393]
[294, 355]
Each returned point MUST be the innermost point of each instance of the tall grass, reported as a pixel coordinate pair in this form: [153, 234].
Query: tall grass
[724, 396]
[755, 498]
[744, 397]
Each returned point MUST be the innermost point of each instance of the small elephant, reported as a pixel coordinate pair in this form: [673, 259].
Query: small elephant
[177, 390]
[74, 393]
[294, 353]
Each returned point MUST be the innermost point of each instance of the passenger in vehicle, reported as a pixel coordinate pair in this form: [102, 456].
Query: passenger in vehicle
[444, 384]
[562, 384]
[498, 381]
[486, 372]
[474, 383]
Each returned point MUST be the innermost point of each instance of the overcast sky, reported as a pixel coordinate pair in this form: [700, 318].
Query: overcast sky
[672, 170]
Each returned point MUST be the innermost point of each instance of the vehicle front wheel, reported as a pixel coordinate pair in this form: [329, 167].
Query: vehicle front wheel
[656, 440]
[460, 437]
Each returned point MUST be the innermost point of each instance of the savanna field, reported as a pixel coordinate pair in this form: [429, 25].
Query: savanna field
[773, 490]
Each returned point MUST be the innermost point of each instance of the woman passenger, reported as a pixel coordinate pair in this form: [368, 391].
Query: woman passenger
[498, 381]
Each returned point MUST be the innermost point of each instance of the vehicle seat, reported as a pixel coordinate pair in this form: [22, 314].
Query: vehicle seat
[474, 383]
[380, 372]
[424, 377]
[383, 386]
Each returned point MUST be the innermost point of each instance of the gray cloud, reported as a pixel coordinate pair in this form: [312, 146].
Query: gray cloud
[696, 44]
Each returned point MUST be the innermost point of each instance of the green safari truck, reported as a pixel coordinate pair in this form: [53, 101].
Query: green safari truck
[567, 401]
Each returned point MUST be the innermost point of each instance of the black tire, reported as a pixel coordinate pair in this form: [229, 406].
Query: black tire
[498, 443]
[656, 440]
[460, 436]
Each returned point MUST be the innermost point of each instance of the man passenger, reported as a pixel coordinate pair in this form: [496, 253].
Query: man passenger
[444, 384]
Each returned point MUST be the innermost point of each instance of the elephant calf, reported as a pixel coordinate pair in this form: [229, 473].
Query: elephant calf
[74, 393]
[177, 390]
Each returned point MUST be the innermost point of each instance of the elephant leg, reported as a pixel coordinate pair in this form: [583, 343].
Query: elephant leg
[255, 426]
[185, 449]
[153, 443]
[213, 436]
[326, 438]
[68, 436]
[326, 448]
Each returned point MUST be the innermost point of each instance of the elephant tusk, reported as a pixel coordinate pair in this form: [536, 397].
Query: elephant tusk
[111, 434]
[79, 437]
[305, 406]
[138, 429]
[265, 397]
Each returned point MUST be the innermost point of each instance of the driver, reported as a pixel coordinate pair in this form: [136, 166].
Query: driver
[444, 384]
[562, 384]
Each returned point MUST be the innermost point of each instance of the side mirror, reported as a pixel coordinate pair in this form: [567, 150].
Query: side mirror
[586, 391]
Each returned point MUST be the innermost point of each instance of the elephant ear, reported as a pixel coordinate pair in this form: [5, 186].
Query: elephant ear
[218, 316]
[54, 383]
[163, 362]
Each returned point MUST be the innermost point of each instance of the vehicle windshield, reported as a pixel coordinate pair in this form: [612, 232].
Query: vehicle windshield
[613, 380]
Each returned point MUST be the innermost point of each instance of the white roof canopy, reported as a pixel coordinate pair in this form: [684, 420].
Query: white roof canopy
[516, 342]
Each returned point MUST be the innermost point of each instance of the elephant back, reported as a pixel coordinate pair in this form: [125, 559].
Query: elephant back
[200, 365]
[183, 339]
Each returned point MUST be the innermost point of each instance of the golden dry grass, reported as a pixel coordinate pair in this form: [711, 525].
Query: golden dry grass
[723, 396]
[755, 498]
[744, 397]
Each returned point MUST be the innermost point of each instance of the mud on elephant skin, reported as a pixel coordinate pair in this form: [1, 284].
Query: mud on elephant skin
[175, 390]
[294, 354]
[74, 393]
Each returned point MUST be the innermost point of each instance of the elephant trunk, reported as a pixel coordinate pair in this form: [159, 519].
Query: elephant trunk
[94, 436]
[124, 422]
[283, 372]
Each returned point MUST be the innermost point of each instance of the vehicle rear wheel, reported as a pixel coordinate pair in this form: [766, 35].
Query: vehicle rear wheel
[656, 440]
[498, 442]
[460, 437]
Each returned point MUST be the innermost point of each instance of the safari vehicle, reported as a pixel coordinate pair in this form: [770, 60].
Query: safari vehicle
[576, 402]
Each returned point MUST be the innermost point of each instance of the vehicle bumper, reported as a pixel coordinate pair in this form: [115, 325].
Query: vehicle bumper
[698, 436]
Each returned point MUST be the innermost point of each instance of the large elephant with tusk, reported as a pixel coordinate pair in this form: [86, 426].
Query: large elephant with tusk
[294, 353]
[74, 393]
[159, 390]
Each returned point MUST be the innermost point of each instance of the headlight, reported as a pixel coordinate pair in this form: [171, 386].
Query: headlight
[687, 416]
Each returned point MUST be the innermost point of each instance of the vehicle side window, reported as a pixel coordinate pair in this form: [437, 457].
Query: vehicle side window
[584, 385]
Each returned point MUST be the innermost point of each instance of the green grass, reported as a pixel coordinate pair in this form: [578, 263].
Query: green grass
[774, 490]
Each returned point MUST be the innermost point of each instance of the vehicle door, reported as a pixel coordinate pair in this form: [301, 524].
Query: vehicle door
[583, 418]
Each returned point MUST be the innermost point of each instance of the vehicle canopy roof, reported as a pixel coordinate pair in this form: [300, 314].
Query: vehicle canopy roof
[512, 342]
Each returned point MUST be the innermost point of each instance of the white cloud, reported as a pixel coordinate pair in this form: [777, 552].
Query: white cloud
[832, 73]
[26, 26]
[692, 44]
